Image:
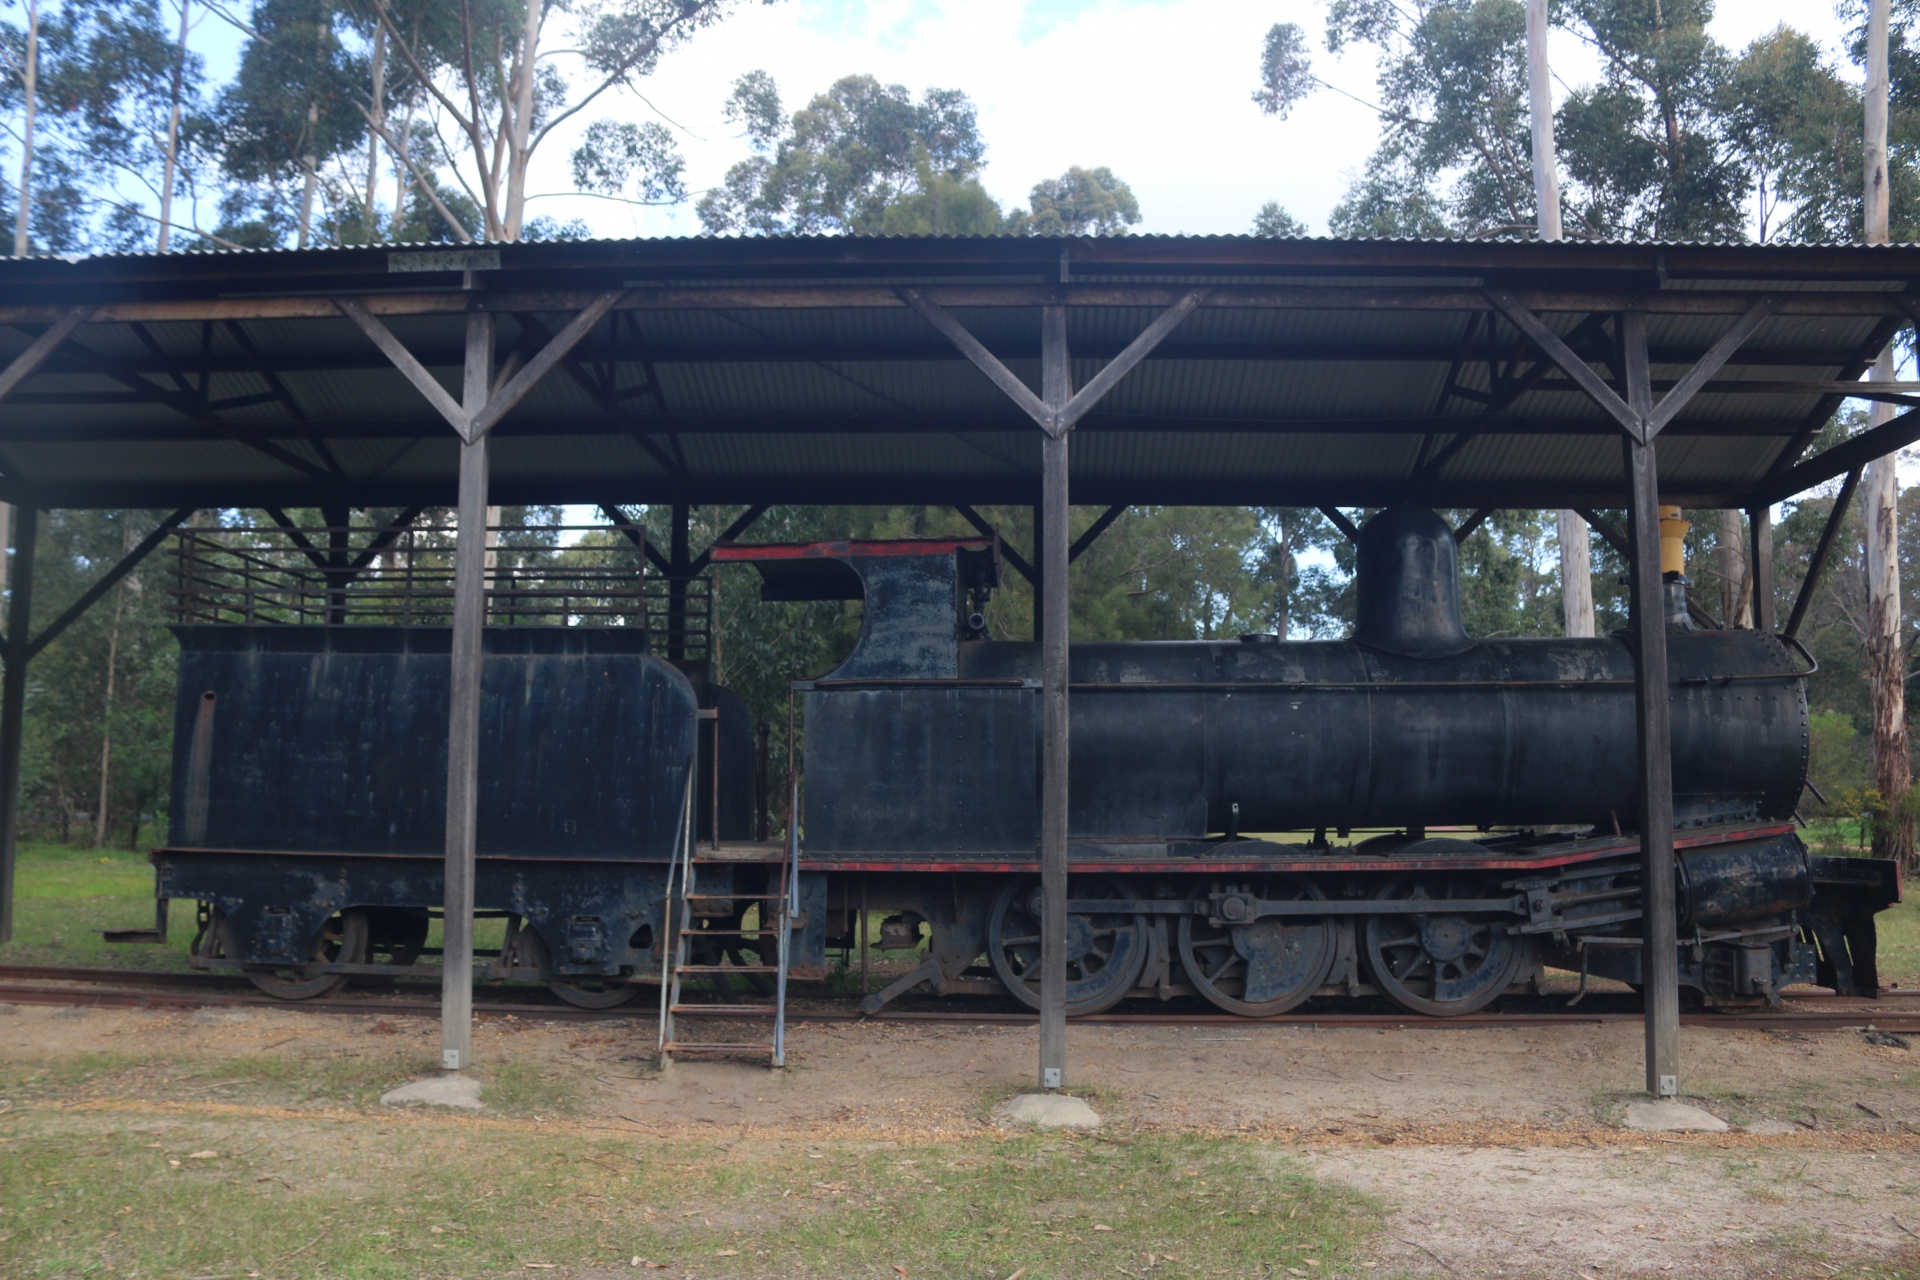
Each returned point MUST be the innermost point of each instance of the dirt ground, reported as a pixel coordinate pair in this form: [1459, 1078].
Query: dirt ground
[1495, 1152]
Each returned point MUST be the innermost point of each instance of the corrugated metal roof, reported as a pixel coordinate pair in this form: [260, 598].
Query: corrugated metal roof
[1321, 371]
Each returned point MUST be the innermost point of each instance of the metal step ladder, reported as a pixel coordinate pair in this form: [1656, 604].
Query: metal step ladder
[779, 910]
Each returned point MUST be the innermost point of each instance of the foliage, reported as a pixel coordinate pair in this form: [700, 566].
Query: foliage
[866, 158]
[1275, 222]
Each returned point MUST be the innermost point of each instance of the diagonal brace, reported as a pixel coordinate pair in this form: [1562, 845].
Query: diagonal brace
[128, 563]
[1055, 423]
[503, 398]
[29, 361]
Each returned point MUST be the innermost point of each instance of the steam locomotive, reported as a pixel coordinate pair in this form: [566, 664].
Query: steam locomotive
[1409, 813]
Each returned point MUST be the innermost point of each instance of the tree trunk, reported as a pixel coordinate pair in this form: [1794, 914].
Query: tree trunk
[1736, 596]
[402, 176]
[521, 126]
[173, 132]
[311, 167]
[106, 721]
[1576, 574]
[379, 114]
[31, 87]
[1880, 496]
[1546, 164]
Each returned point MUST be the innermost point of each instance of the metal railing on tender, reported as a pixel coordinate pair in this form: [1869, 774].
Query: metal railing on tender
[549, 575]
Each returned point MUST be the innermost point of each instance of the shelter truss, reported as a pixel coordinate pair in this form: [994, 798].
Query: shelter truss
[955, 371]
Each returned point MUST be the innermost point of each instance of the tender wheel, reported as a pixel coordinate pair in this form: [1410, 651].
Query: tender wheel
[1440, 963]
[342, 939]
[529, 951]
[1106, 950]
[399, 933]
[1265, 967]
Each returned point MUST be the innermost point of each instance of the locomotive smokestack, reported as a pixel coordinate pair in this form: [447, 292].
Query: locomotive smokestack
[1407, 585]
[1673, 568]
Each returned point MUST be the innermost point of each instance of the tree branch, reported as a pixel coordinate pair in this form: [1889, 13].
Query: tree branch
[425, 185]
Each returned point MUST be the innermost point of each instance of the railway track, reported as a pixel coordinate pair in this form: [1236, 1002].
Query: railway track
[1895, 1011]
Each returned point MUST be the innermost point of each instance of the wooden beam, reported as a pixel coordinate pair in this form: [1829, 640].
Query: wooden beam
[983, 359]
[411, 369]
[1007, 553]
[502, 401]
[1470, 524]
[740, 525]
[105, 583]
[1571, 364]
[1697, 377]
[1604, 527]
[1340, 522]
[1849, 455]
[454, 302]
[1817, 563]
[1094, 530]
[1124, 363]
[24, 365]
[636, 535]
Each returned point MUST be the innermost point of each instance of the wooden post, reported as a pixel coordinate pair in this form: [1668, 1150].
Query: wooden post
[463, 726]
[1040, 555]
[679, 557]
[1055, 388]
[13, 702]
[1760, 562]
[1659, 971]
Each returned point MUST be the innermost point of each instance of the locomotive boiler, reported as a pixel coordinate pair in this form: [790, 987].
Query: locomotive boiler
[1409, 813]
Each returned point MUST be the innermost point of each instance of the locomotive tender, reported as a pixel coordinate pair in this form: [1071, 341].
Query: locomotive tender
[310, 767]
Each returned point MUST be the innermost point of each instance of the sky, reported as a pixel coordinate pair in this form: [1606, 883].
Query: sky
[1158, 90]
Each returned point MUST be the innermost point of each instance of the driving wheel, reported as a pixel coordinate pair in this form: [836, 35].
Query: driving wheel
[1106, 949]
[1440, 962]
[1262, 967]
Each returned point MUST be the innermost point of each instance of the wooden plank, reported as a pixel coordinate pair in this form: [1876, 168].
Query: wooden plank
[1695, 378]
[402, 359]
[1470, 524]
[1604, 527]
[1550, 342]
[1124, 363]
[29, 361]
[501, 402]
[988, 363]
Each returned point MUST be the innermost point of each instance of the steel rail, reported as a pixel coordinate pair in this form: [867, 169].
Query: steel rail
[190, 991]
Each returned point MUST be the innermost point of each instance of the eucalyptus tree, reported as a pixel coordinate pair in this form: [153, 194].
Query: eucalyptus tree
[491, 70]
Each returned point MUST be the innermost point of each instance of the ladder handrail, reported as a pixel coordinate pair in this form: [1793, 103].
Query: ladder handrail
[790, 915]
[670, 938]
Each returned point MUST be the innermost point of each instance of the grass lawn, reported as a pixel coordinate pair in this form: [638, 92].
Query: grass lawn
[252, 1187]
